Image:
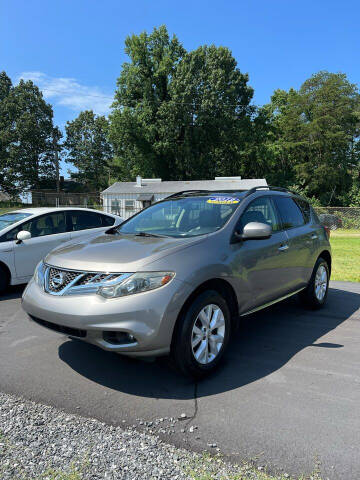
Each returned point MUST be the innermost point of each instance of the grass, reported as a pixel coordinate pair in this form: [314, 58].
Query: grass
[345, 246]
[59, 475]
[207, 468]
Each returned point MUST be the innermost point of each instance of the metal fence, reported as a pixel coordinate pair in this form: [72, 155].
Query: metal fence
[339, 217]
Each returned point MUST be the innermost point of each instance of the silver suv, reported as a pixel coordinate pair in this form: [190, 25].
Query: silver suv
[175, 278]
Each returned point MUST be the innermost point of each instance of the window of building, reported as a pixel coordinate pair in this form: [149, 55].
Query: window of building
[129, 204]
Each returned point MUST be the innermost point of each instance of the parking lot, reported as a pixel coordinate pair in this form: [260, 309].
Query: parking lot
[288, 394]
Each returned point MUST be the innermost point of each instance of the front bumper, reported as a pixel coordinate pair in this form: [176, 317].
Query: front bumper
[149, 316]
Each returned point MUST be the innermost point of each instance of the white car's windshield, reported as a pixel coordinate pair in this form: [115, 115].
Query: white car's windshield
[7, 219]
[182, 217]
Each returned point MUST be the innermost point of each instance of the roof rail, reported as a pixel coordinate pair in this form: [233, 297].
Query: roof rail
[268, 187]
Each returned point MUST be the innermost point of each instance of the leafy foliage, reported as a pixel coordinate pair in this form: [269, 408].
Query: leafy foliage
[26, 136]
[88, 149]
[315, 136]
[179, 115]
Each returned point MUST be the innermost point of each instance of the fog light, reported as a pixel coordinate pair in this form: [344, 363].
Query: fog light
[118, 338]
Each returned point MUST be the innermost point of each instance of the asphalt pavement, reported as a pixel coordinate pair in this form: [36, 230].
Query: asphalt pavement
[287, 395]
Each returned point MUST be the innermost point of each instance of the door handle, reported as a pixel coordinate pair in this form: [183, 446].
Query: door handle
[283, 248]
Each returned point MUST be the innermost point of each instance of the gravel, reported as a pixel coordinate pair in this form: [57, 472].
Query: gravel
[38, 440]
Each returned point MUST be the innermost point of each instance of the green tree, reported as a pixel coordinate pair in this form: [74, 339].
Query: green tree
[206, 124]
[7, 172]
[315, 136]
[88, 149]
[26, 136]
[179, 115]
[142, 89]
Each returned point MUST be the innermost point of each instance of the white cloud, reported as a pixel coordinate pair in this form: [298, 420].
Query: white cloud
[69, 93]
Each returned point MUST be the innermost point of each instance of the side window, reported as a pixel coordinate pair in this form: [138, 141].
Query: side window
[290, 213]
[84, 220]
[314, 215]
[260, 210]
[107, 221]
[45, 225]
[11, 235]
[305, 209]
[48, 225]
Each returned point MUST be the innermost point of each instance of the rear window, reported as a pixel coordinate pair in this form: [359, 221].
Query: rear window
[290, 213]
[305, 209]
[83, 220]
[107, 221]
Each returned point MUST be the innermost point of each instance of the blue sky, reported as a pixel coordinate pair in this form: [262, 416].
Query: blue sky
[74, 49]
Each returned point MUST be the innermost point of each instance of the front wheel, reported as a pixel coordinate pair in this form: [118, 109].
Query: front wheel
[314, 296]
[202, 335]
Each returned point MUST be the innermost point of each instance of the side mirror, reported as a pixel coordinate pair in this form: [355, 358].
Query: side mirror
[255, 231]
[23, 235]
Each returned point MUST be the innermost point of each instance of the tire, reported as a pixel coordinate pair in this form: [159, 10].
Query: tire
[4, 279]
[194, 344]
[314, 297]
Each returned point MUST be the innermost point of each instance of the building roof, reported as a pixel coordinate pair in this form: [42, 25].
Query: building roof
[232, 183]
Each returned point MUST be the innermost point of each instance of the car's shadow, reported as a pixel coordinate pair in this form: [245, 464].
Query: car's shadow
[12, 292]
[264, 343]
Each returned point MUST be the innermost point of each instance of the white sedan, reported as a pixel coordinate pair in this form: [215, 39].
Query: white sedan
[27, 235]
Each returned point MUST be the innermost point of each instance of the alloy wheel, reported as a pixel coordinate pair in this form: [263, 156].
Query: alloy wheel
[321, 281]
[207, 337]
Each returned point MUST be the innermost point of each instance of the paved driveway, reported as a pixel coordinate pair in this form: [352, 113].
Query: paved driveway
[287, 396]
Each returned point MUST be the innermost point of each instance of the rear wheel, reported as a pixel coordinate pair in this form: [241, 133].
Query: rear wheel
[4, 279]
[202, 335]
[314, 296]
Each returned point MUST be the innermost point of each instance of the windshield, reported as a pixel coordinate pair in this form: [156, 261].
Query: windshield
[182, 217]
[7, 219]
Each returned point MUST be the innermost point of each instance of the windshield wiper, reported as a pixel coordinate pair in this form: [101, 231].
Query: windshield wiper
[147, 234]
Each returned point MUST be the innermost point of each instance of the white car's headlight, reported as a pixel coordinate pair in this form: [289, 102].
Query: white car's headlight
[39, 274]
[136, 283]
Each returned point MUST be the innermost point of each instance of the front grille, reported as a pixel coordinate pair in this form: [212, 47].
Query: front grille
[73, 332]
[59, 279]
[95, 278]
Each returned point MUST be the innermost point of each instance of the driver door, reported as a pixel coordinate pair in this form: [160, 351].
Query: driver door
[262, 263]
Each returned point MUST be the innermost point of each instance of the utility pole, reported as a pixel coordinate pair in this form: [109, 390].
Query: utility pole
[56, 138]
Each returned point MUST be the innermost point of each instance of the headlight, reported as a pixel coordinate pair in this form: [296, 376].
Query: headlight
[39, 274]
[136, 283]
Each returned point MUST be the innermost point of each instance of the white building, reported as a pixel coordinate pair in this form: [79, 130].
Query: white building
[127, 198]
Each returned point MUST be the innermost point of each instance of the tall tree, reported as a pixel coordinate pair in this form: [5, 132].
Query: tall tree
[89, 149]
[142, 89]
[26, 136]
[206, 124]
[7, 172]
[177, 114]
[316, 132]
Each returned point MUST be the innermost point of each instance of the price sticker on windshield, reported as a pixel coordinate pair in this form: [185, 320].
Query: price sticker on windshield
[223, 200]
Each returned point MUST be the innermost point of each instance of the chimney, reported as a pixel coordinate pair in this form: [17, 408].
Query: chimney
[138, 181]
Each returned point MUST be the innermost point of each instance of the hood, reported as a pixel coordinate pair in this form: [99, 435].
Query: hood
[116, 253]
